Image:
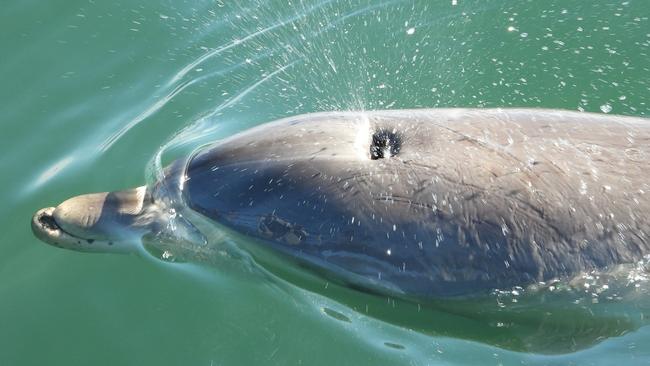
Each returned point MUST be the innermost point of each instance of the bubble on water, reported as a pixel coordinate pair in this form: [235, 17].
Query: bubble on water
[410, 31]
[336, 315]
[394, 345]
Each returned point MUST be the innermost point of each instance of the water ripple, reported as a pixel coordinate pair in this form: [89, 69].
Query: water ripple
[157, 105]
[155, 165]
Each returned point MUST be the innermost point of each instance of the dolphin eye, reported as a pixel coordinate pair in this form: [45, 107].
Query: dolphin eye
[385, 143]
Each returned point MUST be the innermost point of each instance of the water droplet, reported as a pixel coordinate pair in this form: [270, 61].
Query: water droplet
[606, 108]
[583, 187]
[504, 229]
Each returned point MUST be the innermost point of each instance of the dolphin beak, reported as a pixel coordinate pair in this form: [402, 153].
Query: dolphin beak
[93, 222]
[45, 227]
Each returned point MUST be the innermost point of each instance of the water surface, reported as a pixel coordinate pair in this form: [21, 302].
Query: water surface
[92, 91]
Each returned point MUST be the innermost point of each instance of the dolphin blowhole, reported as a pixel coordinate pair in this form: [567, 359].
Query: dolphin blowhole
[385, 143]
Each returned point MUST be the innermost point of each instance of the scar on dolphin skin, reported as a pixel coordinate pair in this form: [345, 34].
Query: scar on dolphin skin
[273, 227]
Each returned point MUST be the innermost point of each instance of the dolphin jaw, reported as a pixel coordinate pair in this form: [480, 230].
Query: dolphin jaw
[45, 228]
[99, 222]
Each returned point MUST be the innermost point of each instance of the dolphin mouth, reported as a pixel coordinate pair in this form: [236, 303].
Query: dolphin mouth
[45, 228]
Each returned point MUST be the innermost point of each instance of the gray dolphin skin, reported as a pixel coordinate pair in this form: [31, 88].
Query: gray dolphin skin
[424, 203]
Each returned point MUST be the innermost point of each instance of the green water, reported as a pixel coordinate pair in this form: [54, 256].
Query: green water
[91, 90]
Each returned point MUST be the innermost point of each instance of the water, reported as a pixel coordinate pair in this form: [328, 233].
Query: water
[93, 92]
